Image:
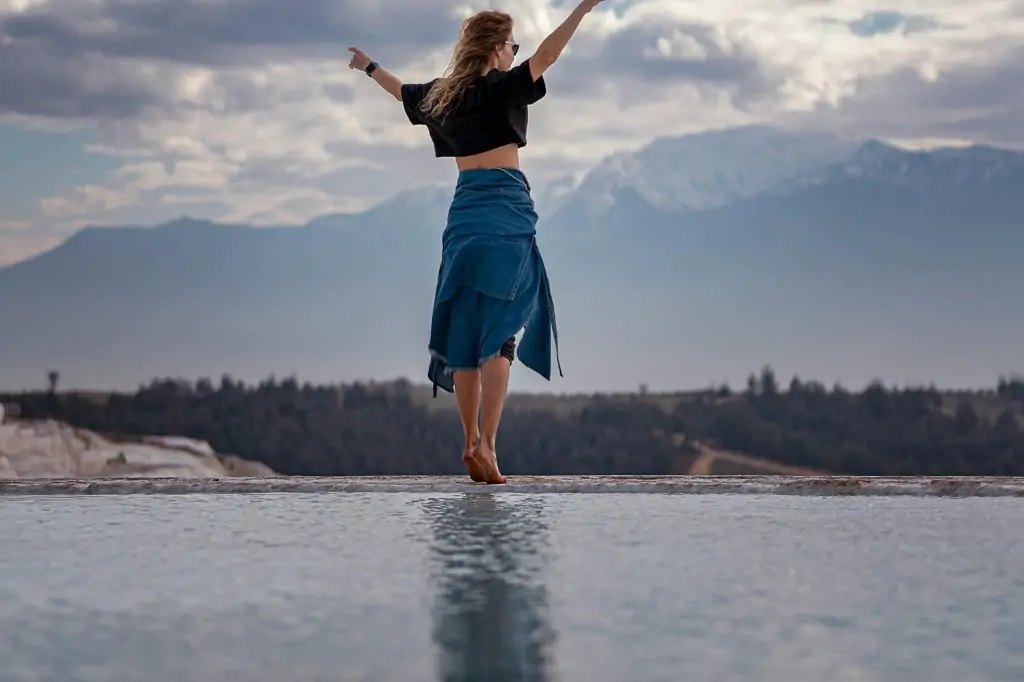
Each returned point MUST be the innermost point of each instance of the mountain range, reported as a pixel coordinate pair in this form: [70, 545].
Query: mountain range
[692, 261]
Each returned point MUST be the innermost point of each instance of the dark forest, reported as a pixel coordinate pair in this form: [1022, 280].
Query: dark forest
[396, 428]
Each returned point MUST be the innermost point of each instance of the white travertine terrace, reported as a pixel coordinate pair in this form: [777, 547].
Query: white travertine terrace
[52, 450]
[686, 485]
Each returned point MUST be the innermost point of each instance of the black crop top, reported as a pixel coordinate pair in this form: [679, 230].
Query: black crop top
[491, 113]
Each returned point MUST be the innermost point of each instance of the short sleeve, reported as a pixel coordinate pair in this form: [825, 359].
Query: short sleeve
[516, 86]
[412, 96]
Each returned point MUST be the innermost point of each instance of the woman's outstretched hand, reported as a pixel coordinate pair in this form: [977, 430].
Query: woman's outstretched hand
[360, 60]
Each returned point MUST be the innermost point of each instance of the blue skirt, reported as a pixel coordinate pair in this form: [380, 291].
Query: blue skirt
[491, 283]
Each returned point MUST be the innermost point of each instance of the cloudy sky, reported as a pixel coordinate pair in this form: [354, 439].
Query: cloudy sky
[137, 111]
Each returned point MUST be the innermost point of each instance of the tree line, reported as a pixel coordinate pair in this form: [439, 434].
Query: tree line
[393, 429]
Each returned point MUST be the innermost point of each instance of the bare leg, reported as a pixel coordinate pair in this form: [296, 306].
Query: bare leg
[494, 377]
[467, 395]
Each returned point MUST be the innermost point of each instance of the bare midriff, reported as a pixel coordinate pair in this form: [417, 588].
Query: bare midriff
[501, 157]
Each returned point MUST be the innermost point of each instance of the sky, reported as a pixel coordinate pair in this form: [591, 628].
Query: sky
[139, 111]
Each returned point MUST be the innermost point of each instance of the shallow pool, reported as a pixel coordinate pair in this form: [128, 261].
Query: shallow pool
[500, 587]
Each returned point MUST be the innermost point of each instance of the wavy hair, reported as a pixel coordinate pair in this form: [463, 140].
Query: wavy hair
[480, 34]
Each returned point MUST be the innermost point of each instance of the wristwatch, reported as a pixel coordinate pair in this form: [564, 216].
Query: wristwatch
[370, 68]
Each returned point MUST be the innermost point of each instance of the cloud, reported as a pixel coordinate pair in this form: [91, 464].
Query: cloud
[669, 52]
[246, 109]
[39, 79]
[882, 22]
[123, 58]
[969, 101]
[230, 32]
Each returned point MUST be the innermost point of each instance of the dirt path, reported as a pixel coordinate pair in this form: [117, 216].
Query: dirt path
[704, 464]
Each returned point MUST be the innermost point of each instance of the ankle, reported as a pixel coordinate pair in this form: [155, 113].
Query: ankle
[470, 441]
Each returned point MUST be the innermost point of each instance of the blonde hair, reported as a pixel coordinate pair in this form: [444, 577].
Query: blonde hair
[480, 34]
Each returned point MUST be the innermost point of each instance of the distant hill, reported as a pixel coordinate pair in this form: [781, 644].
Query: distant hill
[671, 266]
[798, 427]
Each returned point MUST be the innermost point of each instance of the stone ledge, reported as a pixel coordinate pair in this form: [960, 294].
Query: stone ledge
[932, 486]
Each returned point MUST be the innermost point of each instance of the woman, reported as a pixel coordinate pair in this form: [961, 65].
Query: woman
[492, 282]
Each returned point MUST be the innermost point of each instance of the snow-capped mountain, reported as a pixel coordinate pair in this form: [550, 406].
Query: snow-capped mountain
[708, 170]
[960, 170]
[695, 259]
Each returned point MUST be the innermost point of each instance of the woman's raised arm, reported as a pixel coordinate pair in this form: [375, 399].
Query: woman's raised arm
[551, 48]
[383, 77]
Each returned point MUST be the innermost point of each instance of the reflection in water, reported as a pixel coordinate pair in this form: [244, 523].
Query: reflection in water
[491, 617]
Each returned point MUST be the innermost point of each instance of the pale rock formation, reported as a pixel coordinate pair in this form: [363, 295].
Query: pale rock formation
[49, 449]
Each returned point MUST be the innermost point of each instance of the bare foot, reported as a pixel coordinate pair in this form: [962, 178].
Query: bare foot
[475, 472]
[487, 462]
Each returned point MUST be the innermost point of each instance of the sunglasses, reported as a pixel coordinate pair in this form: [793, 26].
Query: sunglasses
[515, 47]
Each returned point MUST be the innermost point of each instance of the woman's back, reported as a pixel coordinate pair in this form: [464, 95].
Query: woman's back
[486, 125]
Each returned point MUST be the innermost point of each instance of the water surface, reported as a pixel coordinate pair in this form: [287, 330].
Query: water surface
[501, 587]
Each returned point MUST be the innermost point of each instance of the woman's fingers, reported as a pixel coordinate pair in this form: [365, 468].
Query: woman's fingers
[359, 58]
